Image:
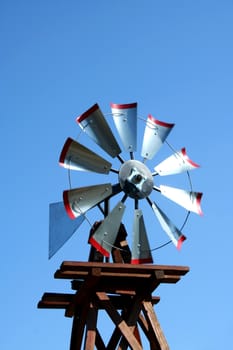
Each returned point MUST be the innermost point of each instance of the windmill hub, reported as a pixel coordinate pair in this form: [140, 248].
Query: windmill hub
[136, 179]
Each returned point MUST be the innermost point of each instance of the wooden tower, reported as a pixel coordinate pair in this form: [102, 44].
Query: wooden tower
[124, 291]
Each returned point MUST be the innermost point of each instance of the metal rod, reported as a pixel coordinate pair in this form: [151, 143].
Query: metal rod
[156, 188]
[114, 171]
[101, 209]
[149, 201]
[106, 207]
[124, 198]
[120, 159]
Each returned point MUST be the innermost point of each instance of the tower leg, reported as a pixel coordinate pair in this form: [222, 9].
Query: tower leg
[78, 327]
[90, 338]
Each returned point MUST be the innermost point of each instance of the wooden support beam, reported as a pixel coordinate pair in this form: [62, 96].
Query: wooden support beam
[91, 328]
[78, 327]
[85, 291]
[131, 317]
[118, 321]
[154, 324]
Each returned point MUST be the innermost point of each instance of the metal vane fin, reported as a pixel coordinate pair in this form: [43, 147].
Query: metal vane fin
[105, 235]
[171, 230]
[61, 228]
[95, 125]
[155, 134]
[80, 200]
[187, 199]
[75, 156]
[175, 164]
[125, 119]
[141, 253]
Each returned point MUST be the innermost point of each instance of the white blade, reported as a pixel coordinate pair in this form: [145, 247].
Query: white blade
[95, 125]
[155, 134]
[188, 200]
[125, 118]
[77, 157]
[175, 164]
[104, 237]
[61, 228]
[171, 230]
[141, 253]
[80, 200]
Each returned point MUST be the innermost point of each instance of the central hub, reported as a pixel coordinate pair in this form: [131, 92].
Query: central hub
[136, 179]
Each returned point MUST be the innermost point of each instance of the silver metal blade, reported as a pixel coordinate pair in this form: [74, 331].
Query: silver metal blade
[106, 234]
[77, 157]
[141, 253]
[125, 119]
[177, 163]
[95, 125]
[78, 201]
[187, 199]
[155, 134]
[171, 230]
[61, 228]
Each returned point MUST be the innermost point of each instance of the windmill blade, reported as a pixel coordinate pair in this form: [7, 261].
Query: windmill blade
[104, 237]
[61, 228]
[155, 134]
[187, 199]
[80, 200]
[171, 230]
[177, 163]
[125, 118]
[95, 125]
[141, 253]
[77, 157]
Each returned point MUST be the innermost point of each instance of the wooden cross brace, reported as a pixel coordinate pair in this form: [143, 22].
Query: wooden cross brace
[126, 333]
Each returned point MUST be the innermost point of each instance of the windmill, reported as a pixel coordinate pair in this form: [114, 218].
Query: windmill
[128, 283]
[134, 180]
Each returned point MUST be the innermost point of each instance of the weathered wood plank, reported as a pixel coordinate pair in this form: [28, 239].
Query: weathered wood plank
[122, 268]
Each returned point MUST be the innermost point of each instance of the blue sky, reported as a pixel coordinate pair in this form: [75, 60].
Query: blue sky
[58, 58]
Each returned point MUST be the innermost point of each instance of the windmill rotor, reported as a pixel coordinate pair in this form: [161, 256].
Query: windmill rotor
[136, 180]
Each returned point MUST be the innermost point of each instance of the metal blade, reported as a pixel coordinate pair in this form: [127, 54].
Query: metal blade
[77, 157]
[175, 164]
[125, 118]
[106, 234]
[155, 134]
[187, 199]
[171, 230]
[141, 253]
[61, 228]
[80, 200]
[95, 125]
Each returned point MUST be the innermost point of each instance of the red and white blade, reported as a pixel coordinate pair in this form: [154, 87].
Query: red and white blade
[78, 201]
[177, 163]
[97, 128]
[187, 199]
[171, 230]
[155, 134]
[141, 253]
[75, 156]
[105, 236]
[125, 119]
